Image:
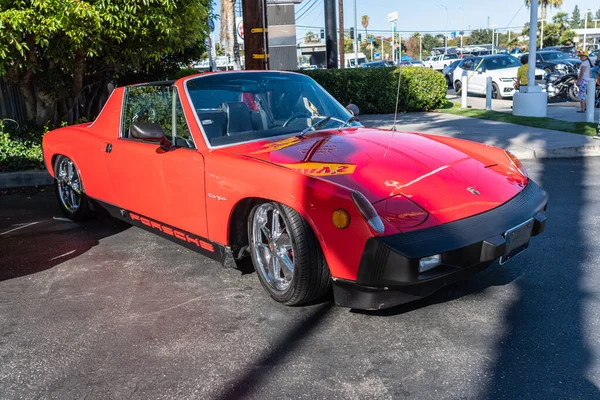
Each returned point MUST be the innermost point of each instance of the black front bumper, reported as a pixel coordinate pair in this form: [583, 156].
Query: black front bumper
[389, 269]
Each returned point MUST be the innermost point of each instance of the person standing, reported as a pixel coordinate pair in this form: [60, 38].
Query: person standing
[585, 73]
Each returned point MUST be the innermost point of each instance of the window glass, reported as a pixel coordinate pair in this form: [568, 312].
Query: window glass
[493, 63]
[183, 134]
[239, 106]
[148, 104]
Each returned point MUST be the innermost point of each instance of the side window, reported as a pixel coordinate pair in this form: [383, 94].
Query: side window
[182, 133]
[148, 104]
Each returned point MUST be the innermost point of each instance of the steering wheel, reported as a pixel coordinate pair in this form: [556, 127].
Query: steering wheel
[296, 116]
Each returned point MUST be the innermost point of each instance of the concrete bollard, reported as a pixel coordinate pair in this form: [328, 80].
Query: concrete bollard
[591, 100]
[464, 79]
[488, 93]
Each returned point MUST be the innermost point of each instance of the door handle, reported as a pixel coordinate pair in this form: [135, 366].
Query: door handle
[108, 148]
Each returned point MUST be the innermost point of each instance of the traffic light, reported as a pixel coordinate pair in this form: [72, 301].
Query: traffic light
[360, 37]
[351, 33]
[322, 33]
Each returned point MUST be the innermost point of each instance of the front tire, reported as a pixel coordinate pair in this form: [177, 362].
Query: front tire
[573, 92]
[457, 86]
[68, 187]
[286, 255]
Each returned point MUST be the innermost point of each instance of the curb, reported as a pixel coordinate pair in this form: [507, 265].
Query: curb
[18, 179]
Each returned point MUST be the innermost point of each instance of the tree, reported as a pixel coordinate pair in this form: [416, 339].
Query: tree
[545, 4]
[598, 13]
[365, 23]
[429, 42]
[309, 37]
[481, 36]
[576, 18]
[228, 32]
[58, 51]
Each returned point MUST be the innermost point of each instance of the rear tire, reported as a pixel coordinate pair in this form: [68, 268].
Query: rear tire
[286, 255]
[68, 187]
[495, 91]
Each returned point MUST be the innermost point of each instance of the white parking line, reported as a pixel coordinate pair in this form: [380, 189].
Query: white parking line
[20, 227]
[63, 255]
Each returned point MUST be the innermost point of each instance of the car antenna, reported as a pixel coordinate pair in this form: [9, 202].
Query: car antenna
[395, 112]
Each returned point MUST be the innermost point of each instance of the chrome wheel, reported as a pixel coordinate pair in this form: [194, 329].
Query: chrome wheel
[272, 247]
[69, 185]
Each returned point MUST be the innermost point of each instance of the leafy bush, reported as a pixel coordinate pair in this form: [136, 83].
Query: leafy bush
[17, 154]
[185, 72]
[21, 149]
[374, 90]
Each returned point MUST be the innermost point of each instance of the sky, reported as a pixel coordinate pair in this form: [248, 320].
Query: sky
[424, 15]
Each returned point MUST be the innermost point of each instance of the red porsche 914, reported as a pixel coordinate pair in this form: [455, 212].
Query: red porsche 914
[268, 165]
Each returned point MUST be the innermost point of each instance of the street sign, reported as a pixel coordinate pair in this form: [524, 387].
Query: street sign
[377, 55]
[240, 28]
[393, 16]
[370, 40]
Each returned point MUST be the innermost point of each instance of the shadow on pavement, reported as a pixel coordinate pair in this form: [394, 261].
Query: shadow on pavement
[35, 236]
[255, 375]
[543, 352]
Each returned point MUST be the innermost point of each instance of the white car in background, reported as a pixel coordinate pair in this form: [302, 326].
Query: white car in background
[440, 62]
[501, 67]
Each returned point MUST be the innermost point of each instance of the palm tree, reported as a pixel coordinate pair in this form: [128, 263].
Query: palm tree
[229, 31]
[365, 22]
[308, 37]
[545, 4]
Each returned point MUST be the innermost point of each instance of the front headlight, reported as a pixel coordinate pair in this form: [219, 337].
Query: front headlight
[367, 210]
[516, 163]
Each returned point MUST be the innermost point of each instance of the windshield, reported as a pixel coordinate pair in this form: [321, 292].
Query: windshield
[493, 63]
[555, 55]
[236, 107]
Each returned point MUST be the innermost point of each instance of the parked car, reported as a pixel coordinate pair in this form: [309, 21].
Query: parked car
[449, 72]
[570, 51]
[594, 56]
[268, 165]
[412, 63]
[378, 64]
[441, 62]
[501, 67]
[555, 61]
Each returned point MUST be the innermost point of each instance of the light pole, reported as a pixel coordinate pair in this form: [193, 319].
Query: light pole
[493, 38]
[462, 31]
[392, 18]
[446, 31]
[420, 47]
[542, 34]
[585, 15]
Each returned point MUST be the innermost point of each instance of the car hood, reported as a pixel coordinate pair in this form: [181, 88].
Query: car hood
[441, 179]
[564, 61]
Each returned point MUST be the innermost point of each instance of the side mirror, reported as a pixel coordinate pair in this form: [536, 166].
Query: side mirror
[480, 70]
[147, 131]
[151, 132]
[353, 108]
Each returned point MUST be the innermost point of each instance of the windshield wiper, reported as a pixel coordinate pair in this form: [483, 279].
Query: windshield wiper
[314, 126]
[347, 123]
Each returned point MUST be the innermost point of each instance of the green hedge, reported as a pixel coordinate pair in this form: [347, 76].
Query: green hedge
[374, 90]
[18, 153]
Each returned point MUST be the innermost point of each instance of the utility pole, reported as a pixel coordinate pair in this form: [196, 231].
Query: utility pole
[420, 47]
[355, 38]
[330, 34]
[256, 43]
[585, 28]
[542, 35]
[446, 31]
[341, 44]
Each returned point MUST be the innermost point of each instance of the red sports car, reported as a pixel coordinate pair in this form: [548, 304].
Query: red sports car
[269, 165]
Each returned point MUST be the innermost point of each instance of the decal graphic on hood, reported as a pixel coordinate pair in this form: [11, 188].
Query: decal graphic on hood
[321, 169]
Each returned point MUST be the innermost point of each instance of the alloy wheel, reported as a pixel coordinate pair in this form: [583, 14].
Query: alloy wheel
[69, 185]
[272, 247]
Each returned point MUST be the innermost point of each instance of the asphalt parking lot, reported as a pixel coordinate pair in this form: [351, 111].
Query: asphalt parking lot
[102, 310]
